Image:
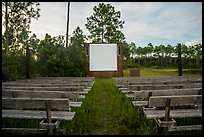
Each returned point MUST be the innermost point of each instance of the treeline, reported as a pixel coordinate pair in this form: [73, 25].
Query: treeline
[46, 57]
[162, 56]
[50, 57]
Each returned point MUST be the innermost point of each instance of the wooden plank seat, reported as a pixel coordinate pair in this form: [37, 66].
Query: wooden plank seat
[176, 100]
[85, 81]
[180, 113]
[74, 96]
[156, 80]
[56, 80]
[161, 82]
[37, 114]
[67, 88]
[131, 88]
[23, 131]
[47, 84]
[50, 111]
[143, 95]
[157, 87]
[165, 117]
[120, 80]
[5, 84]
[34, 103]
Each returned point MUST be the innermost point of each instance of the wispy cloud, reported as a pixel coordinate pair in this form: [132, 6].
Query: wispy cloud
[156, 22]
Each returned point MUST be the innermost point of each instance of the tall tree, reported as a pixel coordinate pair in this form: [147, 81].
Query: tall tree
[198, 50]
[51, 56]
[150, 49]
[104, 25]
[20, 15]
[77, 57]
[78, 37]
[133, 48]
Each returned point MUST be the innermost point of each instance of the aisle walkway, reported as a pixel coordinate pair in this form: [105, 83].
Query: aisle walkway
[106, 111]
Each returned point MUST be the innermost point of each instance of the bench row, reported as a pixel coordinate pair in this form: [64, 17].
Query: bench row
[48, 99]
[165, 99]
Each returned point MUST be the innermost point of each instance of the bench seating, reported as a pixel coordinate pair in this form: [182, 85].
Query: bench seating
[165, 99]
[72, 95]
[164, 82]
[50, 111]
[157, 87]
[120, 80]
[142, 96]
[167, 115]
[49, 99]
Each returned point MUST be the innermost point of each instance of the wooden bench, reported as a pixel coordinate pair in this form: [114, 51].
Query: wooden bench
[73, 96]
[165, 117]
[50, 111]
[140, 98]
[161, 82]
[13, 84]
[123, 83]
[120, 80]
[68, 88]
[51, 81]
[49, 99]
[58, 80]
[158, 87]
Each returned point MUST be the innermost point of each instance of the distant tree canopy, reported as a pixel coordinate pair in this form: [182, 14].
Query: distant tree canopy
[104, 25]
[162, 56]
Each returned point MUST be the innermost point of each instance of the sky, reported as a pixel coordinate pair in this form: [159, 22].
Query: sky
[156, 22]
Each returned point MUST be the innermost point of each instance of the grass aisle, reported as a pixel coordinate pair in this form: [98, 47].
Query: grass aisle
[106, 111]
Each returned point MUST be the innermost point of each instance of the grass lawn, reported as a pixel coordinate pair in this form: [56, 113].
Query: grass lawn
[162, 72]
[106, 111]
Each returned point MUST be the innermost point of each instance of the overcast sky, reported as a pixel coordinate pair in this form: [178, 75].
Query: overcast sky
[156, 22]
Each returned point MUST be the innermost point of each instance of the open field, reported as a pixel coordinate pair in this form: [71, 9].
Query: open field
[163, 72]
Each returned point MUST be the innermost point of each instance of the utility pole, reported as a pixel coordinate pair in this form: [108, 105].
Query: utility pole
[6, 19]
[7, 44]
[67, 25]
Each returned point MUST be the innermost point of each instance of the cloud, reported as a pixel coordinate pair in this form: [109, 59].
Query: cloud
[155, 22]
[192, 42]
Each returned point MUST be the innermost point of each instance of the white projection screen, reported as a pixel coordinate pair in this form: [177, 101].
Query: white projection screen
[103, 57]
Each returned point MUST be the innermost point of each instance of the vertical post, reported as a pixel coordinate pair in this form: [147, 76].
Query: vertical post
[179, 60]
[138, 88]
[150, 94]
[160, 129]
[49, 118]
[167, 109]
[67, 25]
[27, 62]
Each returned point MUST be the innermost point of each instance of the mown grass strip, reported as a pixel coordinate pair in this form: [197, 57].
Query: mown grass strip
[106, 111]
